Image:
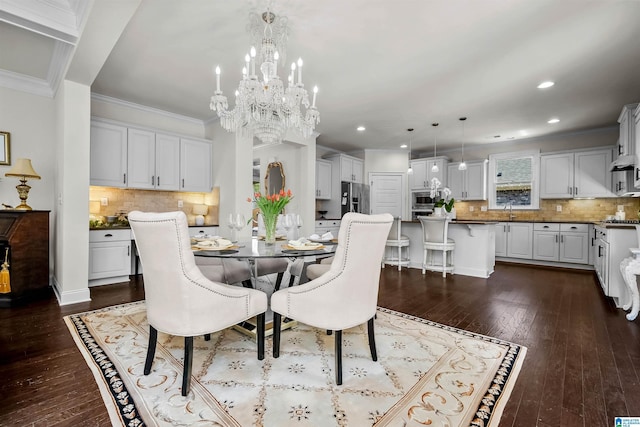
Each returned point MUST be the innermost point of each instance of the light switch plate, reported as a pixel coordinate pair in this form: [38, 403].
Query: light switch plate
[180, 204]
[104, 201]
[559, 208]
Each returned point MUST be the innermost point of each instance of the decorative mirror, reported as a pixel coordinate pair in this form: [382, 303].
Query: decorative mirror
[274, 179]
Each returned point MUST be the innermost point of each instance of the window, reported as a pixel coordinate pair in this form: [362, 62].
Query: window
[514, 180]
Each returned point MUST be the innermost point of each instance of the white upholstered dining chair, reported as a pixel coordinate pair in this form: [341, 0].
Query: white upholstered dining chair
[346, 296]
[180, 300]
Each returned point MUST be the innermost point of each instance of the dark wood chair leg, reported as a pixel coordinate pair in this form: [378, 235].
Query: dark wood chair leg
[247, 283]
[338, 357]
[188, 358]
[276, 334]
[151, 349]
[372, 340]
[279, 281]
[260, 332]
[207, 337]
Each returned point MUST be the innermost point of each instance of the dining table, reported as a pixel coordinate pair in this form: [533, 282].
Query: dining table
[256, 248]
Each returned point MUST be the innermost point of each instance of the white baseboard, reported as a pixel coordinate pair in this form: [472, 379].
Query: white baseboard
[70, 297]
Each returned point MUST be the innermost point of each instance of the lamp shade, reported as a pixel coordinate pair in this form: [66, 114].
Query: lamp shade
[200, 209]
[23, 168]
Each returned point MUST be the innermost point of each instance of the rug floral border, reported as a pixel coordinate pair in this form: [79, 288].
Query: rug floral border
[130, 415]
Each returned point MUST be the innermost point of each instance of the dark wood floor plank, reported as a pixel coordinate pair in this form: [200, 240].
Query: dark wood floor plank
[582, 366]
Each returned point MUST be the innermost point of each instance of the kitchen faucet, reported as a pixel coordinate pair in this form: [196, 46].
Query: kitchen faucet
[511, 215]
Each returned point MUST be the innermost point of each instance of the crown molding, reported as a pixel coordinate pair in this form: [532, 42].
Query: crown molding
[24, 83]
[122, 103]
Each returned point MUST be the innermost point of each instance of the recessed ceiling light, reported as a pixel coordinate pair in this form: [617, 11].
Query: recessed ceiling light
[360, 128]
[554, 120]
[403, 146]
[524, 133]
[545, 85]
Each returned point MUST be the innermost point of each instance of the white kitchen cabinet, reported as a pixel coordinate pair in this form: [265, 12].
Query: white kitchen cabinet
[611, 247]
[514, 240]
[636, 136]
[351, 168]
[627, 140]
[561, 242]
[469, 184]
[576, 174]
[108, 157]
[195, 165]
[109, 256]
[422, 172]
[153, 160]
[326, 225]
[323, 179]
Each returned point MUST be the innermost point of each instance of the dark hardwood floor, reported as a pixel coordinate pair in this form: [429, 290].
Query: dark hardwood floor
[582, 366]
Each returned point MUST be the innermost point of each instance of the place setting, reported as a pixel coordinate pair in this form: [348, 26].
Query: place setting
[214, 243]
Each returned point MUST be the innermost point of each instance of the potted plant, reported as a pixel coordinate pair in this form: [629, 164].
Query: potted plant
[446, 202]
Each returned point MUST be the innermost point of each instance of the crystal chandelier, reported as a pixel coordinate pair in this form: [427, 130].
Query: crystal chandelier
[263, 107]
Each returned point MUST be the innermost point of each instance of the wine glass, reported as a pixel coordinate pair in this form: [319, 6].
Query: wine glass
[231, 223]
[288, 224]
[239, 222]
[298, 222]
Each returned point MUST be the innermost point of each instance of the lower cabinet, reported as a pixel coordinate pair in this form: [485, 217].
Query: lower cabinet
[561, 242]
[109, 256]
[326, 225]
[514, 239]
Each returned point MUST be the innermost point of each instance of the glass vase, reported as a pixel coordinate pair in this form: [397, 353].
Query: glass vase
[270, 222]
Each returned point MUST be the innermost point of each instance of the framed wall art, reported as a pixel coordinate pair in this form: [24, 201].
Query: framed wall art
[5, 148]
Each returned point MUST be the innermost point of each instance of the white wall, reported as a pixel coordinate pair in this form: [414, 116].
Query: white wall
[30, 119]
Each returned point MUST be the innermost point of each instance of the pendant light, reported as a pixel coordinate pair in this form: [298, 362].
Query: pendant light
[462, 166]
[410, 169]
[435, 168]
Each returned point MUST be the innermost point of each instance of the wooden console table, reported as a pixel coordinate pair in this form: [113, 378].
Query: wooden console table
[26, 234]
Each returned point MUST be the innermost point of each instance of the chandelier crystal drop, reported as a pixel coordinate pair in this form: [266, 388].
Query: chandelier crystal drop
[264, 108]
[462, 166]
[435, 168]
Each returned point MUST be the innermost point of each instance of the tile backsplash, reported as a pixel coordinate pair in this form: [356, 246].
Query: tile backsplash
[570, 210]
[126, 200]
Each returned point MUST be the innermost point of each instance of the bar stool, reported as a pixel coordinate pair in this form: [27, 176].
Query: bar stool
[396, 240]
[434, 238]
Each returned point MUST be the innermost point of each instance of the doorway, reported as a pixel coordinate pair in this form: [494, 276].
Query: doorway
[387, 195]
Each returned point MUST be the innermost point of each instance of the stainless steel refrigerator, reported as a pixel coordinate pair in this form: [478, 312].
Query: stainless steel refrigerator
[354, 198]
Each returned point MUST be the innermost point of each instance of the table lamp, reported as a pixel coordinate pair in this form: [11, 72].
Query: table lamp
[23, 171]
[200, 211]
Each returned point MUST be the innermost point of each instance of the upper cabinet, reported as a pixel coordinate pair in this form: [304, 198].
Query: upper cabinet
[195, 165]
[469, 184]
[626, 142]
[108, 160]
[351, 168]
[323, 179]
[129, 157]
[576, 174]
[423, 172]
[636, 139]
[151, 162]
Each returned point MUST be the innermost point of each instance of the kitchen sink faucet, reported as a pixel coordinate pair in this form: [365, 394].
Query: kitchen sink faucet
[511, 214]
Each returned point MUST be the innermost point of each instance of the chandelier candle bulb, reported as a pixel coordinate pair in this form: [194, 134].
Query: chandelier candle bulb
[293, 69]
[315, 92]
[247, 60]
[253, 61]
[217, 79]
[299, 71]
[276, 57]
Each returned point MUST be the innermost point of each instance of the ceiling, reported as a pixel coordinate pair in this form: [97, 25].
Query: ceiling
[386, 65]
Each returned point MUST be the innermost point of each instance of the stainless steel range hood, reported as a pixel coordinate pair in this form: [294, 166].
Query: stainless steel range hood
[623, 163]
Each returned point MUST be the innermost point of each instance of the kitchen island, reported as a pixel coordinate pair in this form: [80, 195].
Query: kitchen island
[475, 252]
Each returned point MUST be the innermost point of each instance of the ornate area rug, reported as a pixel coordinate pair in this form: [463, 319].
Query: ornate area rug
[426, 374]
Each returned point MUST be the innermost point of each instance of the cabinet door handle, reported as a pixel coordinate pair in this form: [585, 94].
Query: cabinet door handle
[573, 227]
[158, 181]
[124, 178]
[575, 192]
[570, 190]
[556, 238]
[182, 182]
[561, 239]
[153, 180]
[637, 174]
[108, 235]
[128, 251]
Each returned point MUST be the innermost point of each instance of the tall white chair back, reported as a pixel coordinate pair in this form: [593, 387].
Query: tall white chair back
[435, 237]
